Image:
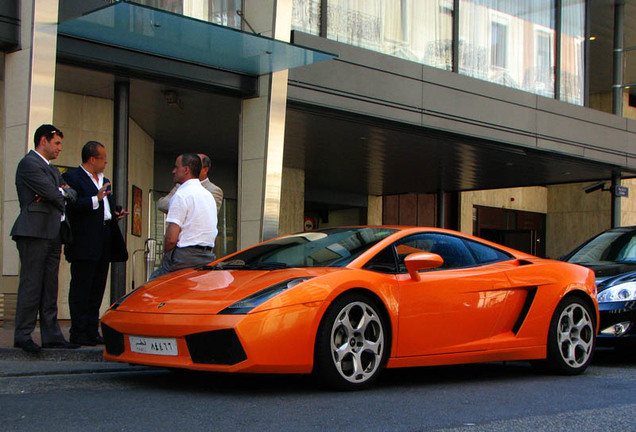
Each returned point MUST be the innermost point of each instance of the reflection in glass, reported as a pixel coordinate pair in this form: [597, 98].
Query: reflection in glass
[417, 30]
[508, 43]
[306, 16]
[221, 12]
[572, 51]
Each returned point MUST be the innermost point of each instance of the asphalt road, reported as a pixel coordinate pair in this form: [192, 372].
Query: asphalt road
[488, 397]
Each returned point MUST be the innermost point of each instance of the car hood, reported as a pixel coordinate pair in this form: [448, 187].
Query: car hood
[604, 270]
[206, 292]
[617, 280]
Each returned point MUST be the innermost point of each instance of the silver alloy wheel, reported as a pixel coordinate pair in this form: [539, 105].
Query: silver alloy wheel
[575, 335]
[357, 342]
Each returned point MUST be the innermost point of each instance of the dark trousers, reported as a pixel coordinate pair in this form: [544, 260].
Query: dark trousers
[37, 292]
[88, 283]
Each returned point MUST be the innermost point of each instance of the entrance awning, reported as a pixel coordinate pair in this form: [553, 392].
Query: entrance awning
[141, 28]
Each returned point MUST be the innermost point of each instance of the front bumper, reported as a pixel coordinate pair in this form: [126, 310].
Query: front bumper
[618, 324]
[274, 341]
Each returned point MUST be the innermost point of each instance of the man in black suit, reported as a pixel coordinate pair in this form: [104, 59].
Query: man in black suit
[43, 195]
[93, 224]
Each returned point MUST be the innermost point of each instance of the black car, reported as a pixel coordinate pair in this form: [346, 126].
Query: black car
[617, 307]
[612, 256]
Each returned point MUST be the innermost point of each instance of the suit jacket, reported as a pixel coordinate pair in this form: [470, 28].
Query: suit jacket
[39, 218]
[87, 224]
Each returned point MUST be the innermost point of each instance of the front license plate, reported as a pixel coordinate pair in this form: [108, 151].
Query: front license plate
[156, 346]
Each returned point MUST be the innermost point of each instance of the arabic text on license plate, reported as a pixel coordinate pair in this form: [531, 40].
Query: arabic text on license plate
[157, 346]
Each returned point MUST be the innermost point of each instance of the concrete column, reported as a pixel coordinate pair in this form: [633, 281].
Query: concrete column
[29, 88]
[120, 177]
[262, 133]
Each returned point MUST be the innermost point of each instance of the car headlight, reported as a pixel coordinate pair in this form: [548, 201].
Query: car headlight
[250, 302]
[622, 292]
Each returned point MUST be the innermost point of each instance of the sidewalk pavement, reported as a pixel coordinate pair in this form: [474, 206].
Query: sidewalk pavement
[16, 362]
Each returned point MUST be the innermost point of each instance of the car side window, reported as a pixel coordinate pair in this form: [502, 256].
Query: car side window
[452, 249]
[383, 262]
[485, 254]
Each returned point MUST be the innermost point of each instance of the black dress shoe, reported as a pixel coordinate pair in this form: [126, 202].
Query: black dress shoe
[61, 345]
[28, 346]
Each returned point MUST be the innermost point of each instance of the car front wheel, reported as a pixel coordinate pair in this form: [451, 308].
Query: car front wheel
[572, 337]
[350, 344]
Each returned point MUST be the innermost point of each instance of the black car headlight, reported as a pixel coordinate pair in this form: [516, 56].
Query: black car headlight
[250, 302]
[622, 292]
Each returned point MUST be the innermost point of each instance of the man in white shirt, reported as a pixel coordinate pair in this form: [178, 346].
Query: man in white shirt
[192, 220]
[164, 202]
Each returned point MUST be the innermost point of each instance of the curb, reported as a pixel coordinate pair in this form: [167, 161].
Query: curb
[48, 354]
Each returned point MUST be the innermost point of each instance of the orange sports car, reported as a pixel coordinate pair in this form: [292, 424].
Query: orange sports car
[345, 302]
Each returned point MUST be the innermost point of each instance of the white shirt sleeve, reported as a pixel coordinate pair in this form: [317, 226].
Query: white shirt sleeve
[177, 210]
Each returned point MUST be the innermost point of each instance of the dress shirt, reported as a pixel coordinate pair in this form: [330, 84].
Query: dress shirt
[98, 184]
[193, 209]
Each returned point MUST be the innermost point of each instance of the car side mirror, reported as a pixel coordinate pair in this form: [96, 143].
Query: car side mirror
[422, 261]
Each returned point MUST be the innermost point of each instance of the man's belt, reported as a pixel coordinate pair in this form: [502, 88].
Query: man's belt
[203, 248]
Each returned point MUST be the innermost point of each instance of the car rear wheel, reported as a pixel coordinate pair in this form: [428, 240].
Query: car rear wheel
[572, 337]
[350, 344]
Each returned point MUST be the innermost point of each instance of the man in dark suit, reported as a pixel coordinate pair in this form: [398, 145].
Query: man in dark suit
[93, 224]
[42, 194]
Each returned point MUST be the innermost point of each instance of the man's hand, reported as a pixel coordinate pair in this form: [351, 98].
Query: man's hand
[122, 213]
[102, 192]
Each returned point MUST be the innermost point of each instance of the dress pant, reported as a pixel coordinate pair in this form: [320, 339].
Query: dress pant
[37, 291]
[186, 257]
[88, 283]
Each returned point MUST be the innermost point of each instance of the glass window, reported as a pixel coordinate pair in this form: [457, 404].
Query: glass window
[384, 262]
[417, 30]
[223, 12]
[334, 247]
[485, 254]
[613, 246]
[572, 51]
[498, 42]
[306, 16]
[452, 249]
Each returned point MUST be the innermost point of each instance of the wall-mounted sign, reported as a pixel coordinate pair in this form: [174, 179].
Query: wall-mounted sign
[621, 191]
[310, 224]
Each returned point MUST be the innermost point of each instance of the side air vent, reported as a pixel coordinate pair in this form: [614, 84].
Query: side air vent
[532, 291]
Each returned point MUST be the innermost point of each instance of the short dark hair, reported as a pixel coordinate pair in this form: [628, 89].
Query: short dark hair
[90, 150]
[205, 161]
[48, 131]
[192, 161]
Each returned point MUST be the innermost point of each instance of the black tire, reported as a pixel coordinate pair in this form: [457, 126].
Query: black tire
[572, 337]
[351, 343]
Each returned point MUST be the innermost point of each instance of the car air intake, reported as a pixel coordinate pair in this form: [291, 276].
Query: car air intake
[113, 340]
[220, 347]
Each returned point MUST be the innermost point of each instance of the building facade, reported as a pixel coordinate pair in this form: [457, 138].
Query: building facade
[489, 117]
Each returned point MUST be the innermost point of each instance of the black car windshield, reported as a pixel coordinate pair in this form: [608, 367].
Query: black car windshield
[610, 246]
[335, 247]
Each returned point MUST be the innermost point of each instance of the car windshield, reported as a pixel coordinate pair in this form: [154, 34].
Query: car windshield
[610, 246]
[335, 247]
